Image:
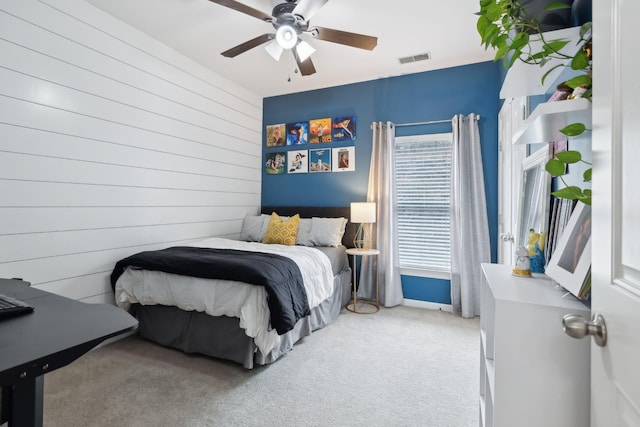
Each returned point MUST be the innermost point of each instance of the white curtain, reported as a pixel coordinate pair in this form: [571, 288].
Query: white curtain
[382, 191]
[469, 225]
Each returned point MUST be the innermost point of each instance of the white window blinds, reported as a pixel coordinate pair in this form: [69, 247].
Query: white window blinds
[423, 188]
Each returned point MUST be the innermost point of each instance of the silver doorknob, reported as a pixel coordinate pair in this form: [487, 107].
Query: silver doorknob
[576, 326]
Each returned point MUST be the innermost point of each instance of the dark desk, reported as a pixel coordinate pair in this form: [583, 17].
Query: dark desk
[58, 332]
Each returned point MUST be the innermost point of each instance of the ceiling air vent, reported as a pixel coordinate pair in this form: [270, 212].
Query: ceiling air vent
[415, 58]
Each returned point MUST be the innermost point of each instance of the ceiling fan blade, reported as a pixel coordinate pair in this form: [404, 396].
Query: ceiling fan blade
[231, 4]
[306, 67]
[241, 48]
[343, 37]
[308, 8]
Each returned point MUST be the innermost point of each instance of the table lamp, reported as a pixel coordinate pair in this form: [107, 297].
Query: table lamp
[363, 213]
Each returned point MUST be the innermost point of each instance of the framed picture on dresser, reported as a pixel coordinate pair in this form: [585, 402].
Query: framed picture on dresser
[570, 264]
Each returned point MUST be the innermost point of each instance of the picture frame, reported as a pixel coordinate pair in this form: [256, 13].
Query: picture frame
[320, 160]
[297, 133]
[344, 129]
[570, 264]
[320, 131]
[535, 196]
[344, 159]
[275, 162]
[276, 135]
[298, 161]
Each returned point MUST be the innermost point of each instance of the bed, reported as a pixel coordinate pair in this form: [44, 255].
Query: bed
[198, 309]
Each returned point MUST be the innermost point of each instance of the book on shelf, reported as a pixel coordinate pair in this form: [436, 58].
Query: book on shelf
[560, 214]
[553, 222]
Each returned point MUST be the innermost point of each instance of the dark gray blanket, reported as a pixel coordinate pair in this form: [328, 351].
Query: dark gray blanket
[281, 277]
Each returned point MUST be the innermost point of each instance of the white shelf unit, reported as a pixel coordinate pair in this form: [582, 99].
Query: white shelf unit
[531, 372]
[526, 79]
[544, 124]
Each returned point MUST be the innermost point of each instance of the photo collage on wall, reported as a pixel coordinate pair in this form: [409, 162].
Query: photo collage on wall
[313, 160]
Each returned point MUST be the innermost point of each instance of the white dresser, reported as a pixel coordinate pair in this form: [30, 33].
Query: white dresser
[531, 372]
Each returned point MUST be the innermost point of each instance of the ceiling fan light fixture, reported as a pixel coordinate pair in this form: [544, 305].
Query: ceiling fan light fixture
[304, 50]
[274, 50]
[290, 19]
[286, 36]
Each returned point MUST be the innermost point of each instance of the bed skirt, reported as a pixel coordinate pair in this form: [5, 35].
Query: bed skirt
[222, 337]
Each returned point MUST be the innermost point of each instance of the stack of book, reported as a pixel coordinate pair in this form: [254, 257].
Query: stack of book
[560, 213]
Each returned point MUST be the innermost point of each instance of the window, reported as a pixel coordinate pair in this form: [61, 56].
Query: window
[423, 192]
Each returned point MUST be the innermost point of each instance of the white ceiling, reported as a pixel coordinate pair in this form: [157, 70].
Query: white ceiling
[201, 30]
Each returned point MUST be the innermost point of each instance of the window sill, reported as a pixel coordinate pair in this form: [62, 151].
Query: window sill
[433, 274]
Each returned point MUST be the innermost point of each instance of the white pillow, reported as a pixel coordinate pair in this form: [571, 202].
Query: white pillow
[304, 232]
[254, 227]
[327, 231]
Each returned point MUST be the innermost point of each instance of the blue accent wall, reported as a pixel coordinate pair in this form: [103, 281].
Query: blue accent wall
[421, 289]
[432, 95]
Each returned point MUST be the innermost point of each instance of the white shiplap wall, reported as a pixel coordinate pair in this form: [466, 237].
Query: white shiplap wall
[110, 144]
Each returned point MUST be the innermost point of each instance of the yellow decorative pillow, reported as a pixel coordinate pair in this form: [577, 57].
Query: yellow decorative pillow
[282, 232]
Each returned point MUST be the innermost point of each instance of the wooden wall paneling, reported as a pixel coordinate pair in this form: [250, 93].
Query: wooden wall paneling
[39, 118]
[134, 91]
[21, 86]
[38, 168]
[20, 140]
[112, 143]
[100, 35]
[39, 194]
[24, 220]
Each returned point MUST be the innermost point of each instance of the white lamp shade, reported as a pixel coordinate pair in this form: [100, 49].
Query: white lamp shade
[363, 212]
[304, 50]
[286, 37]
[274, 50]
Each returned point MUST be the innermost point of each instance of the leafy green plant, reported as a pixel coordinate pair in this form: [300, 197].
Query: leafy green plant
[508, 27]
[557, 167]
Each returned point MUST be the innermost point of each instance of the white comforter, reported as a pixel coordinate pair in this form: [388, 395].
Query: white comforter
[221, 297]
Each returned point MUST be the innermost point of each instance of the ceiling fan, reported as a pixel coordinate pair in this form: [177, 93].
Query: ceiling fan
[290, 20]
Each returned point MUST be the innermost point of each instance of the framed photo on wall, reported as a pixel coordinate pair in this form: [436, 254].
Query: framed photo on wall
[344, 129]
[570, 264]
[274, 163]
[276, 135]
[320, 160]
[344, 159]
[297, 133]
[298, 161]
[320, 131]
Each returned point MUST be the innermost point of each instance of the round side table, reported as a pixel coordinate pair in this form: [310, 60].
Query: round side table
[363, 306]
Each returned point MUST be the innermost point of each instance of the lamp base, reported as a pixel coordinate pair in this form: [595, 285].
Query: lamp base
[361, 241]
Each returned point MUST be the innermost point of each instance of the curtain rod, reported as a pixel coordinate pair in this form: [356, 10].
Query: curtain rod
[432, 122]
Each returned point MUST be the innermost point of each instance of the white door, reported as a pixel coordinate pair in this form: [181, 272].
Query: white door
[510, 118]
[615, 368]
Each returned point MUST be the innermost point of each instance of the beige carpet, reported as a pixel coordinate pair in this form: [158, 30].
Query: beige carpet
[400, 367]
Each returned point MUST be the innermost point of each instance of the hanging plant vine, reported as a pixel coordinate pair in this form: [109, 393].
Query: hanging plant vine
[508, 27]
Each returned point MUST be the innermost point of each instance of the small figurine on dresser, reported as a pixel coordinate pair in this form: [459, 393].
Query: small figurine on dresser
[536, 250]
[522, 267]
